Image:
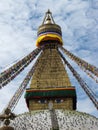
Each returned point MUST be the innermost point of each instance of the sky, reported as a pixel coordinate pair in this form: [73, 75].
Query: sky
[19, 21]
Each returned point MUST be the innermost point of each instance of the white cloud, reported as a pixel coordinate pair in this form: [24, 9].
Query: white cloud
[19, 21]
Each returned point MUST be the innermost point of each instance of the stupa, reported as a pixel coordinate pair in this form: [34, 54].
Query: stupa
[51, 98]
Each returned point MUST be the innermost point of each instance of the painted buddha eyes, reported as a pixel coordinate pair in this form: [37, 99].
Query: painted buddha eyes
[42, 101]
[45, 101]
[59, 100]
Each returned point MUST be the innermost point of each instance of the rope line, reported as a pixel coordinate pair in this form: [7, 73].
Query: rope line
[81, 82]
[13, 102]
[81, 62]
[9, 74]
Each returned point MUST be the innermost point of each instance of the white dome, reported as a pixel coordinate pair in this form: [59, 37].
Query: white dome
[67, 120]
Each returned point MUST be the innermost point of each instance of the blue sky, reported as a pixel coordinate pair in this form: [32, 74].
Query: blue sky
[19, 21]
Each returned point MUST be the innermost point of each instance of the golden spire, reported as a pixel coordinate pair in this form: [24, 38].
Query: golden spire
[49, 30]
[48, 19]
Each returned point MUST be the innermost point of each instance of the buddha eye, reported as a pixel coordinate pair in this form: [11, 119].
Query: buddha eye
[39, 101]
[42, 101]
[62, 100]
[58, 100]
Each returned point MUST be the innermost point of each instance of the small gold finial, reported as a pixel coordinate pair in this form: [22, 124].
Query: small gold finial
[48, 12]
[48, 18]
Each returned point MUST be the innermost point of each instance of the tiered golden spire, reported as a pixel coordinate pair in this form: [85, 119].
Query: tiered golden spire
[50, 81]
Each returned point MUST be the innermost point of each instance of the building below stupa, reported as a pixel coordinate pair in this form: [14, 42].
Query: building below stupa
[67, 120]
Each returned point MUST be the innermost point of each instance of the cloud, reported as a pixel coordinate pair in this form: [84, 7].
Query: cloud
[19, 21]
